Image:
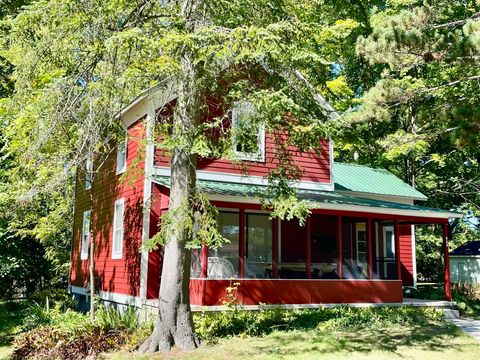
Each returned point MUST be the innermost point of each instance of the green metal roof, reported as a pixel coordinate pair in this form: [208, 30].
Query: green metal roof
[364, 179]
[318, 197]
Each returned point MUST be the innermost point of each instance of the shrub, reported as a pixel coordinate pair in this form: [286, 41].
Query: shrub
[469, 291]
[54, 334]
[210, 326]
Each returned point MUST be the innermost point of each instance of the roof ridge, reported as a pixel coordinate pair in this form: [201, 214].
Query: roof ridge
[362, 165]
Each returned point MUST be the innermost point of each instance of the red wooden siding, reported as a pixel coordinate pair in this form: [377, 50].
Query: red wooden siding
[113, 275]
[314, 166]
[252, 292]
[406, 258]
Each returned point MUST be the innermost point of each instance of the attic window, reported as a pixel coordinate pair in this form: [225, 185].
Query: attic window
[248, 136]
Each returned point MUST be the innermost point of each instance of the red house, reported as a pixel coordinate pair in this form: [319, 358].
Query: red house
[358, 246]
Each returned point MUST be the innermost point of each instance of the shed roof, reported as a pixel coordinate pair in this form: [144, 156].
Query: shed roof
[471, 248]
[364, 179]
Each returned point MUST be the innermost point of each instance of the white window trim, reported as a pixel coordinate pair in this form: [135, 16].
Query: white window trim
[118, 254]
[88, 174]
[124, 167]
[260, 155]
[84, 250]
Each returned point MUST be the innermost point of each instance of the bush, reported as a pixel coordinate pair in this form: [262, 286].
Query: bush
[469, 291]
[54, 334]
[210, 326]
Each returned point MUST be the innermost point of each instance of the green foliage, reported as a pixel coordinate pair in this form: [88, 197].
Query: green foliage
[109, 318]
[70, 335]
[211, 326]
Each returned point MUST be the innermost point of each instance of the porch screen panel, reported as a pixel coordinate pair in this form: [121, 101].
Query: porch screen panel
[258, 246]
[223, 262]
[355, 249]
[196, 264]
[384, 264]
[292, 250]
[324, 247]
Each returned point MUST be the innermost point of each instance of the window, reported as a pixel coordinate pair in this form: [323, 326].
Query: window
[258, 246]
[354, 249]
[389, 242]
[118, 229]
[361, 243]
[383, 243]
[248, 136]
[223, 262]
[85, 234]
[122, 155]
[88, 176]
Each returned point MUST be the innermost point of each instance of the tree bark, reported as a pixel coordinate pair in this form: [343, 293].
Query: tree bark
[174, 324]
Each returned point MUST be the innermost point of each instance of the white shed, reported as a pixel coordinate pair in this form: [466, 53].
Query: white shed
[465, 263]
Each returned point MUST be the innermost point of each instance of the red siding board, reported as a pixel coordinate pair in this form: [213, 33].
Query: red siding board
[122, 275]
[252, 292]
[314, 166]
[406, 257]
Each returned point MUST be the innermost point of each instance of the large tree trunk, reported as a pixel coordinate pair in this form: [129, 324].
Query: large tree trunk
[174, 325]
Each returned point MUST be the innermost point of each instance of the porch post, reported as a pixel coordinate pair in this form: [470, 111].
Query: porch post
[370, 248]
[339, 247]
[446, 257]
[275, 223]
[308, 236]
[396, 230]
[241, 244]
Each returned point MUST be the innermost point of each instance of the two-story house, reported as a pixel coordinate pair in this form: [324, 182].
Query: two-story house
[358, 245]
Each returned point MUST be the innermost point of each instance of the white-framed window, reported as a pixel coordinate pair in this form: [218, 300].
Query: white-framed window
[117, 246]
[88, 175]
[245, 130]
[85, 234]
[122, 155]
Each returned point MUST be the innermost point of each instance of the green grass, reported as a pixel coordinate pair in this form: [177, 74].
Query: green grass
[435, 340]
[11, 316]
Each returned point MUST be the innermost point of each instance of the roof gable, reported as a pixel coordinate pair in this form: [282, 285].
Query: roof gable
[363, 179]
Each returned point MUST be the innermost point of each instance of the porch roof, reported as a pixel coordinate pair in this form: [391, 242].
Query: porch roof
[363, 179]
[318, 199]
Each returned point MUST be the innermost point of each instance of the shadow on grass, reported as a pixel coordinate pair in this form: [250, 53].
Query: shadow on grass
[11, 317]
[429, 337]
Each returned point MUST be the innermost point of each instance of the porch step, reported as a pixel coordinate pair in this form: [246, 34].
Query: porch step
[451, 314]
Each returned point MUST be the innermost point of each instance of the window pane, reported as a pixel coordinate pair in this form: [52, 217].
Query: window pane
[223, 262]
[117, 242]
[354, 249]
[258, 246]
[118, 216]
[121, 156]
[384, 265]
[85, 234]
[196, 264]
[324, 247]
[292, 259]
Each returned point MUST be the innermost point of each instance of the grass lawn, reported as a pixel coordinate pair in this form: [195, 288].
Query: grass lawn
[438, 340]
[11, 315]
